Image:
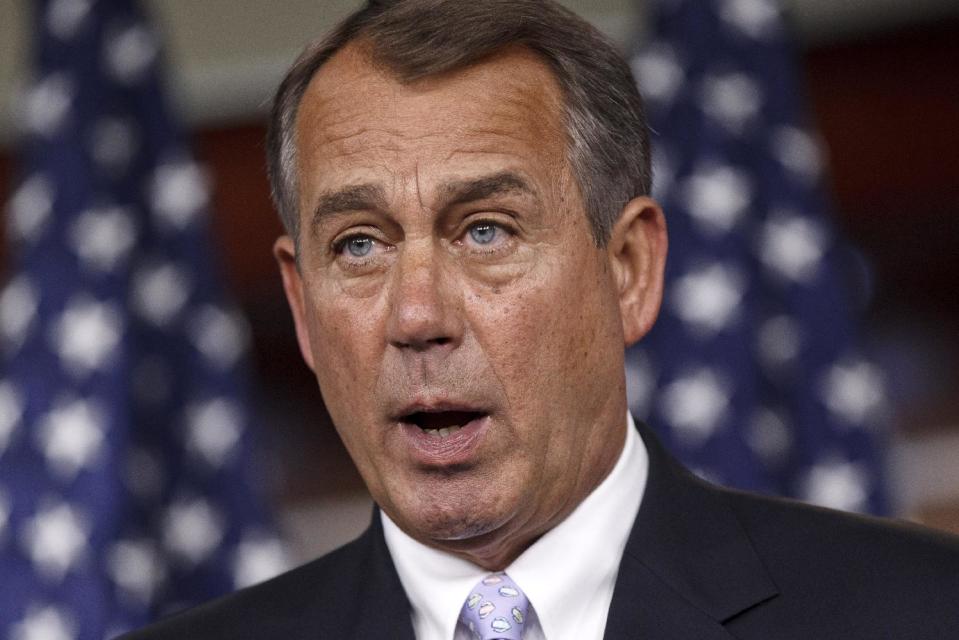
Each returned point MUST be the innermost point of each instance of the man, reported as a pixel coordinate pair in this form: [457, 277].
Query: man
[470, 247]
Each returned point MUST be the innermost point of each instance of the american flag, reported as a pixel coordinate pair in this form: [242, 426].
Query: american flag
[752, 374]
[125, 442]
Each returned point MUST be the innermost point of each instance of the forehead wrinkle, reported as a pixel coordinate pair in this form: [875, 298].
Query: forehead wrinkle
[379, 142]
[521, 120]
[333, 104]
[329, 115]
[417, 186]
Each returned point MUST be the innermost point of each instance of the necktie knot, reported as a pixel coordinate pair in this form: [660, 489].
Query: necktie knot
[496, 609]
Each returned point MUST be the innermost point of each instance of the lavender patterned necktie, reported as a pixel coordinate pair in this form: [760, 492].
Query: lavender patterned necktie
[496, 609]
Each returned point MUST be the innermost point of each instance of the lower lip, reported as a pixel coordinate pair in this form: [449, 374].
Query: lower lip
[455, 449]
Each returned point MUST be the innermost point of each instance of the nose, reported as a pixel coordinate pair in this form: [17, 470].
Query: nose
[424, 309]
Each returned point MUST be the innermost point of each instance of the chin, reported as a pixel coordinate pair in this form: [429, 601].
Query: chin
[455, 520]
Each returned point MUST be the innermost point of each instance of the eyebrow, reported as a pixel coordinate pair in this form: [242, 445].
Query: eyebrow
[351, 198]
[360, 197]
[502, 183]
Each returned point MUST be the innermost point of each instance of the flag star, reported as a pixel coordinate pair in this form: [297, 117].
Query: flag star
[160, 292]
[71, 436]
[708, 299]
[695, 405]
[11, 412]
[47, 104]
[113, 143]
[18, 309]
[658, 73]
[179, 192]
[853, 391]
[716, 196]
[30, 208]
[55, 539]
[792, 246]
[130, 52]
[780, 339]
[797, 151]
[192, 529]
[258, 558]
[219, 335]
[640, 382]
[86, 334]
[756, 18]
[837, 484]
[103, 237]
[732, 99]
[769, 435]
[47, 623]
[64, 17]
[214, 429]
[136, 567]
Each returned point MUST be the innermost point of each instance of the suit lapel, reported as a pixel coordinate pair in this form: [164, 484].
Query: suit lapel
[383, 610]
[643, 606]
[688, 565]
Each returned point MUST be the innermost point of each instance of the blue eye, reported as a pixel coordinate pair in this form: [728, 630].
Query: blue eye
[359, 246]
[483, 233]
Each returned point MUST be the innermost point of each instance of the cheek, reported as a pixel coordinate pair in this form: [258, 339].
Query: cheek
[541, 335]
[343, 350]
[343, 339]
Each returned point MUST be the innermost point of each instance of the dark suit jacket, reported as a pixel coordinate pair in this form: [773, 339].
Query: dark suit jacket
[701, 563]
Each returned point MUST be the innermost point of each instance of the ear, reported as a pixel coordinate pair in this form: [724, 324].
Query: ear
[637, 253]
[284, 250]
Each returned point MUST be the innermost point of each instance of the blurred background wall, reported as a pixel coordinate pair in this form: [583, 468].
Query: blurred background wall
[884, 92]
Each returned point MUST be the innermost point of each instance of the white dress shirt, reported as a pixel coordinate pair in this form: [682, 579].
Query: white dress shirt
[568, 574]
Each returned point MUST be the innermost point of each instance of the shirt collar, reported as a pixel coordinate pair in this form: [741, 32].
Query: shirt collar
[437, 583]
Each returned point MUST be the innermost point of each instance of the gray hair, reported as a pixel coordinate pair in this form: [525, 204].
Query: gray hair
[608, 142]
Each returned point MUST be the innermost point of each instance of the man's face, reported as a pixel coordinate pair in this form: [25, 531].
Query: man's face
[465, 331]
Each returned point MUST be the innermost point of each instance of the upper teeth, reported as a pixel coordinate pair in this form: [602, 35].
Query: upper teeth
[442, 433]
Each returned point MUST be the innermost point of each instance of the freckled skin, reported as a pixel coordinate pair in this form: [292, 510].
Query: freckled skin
[531, 327]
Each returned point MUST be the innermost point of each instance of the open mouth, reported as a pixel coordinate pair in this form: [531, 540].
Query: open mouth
[441, 424]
